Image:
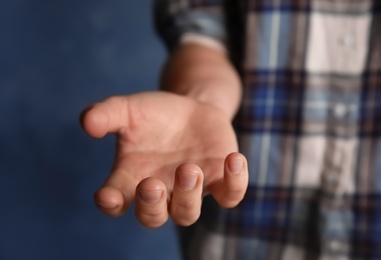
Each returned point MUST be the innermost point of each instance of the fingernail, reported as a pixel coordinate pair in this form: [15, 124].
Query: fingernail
[150, 195]
[106, 205]
[236, 165]
[187, 180]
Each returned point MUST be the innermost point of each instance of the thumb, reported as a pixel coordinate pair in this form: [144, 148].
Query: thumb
[108, 116]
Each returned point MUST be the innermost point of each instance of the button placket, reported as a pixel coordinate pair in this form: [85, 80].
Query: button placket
[333, 167]
[330, 179]
[336, 249]
[333, 228]
[334, 258]
[337, 246]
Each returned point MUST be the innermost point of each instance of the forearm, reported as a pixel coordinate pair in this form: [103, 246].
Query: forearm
[204, 74]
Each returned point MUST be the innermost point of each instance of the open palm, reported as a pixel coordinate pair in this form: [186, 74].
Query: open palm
[171, 150]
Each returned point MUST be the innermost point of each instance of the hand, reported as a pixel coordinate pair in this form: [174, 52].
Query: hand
[171, 151]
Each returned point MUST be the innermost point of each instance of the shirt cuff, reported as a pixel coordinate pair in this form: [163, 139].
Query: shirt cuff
[203, 40]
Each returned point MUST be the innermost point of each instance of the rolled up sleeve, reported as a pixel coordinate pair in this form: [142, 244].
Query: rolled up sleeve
[176, 18]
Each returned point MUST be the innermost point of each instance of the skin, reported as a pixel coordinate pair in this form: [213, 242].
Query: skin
[174, 146]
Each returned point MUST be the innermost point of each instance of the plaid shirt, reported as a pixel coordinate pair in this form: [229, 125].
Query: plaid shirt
[309, 125]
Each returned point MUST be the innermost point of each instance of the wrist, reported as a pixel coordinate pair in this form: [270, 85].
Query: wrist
[203, 74]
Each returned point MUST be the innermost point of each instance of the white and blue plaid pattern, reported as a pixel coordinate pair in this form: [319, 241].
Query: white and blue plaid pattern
[309, 124]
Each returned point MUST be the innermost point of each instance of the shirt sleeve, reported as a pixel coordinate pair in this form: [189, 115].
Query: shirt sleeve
[177, 20]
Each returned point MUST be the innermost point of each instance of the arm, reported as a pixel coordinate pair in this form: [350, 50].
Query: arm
[174, 146]
[205, 74]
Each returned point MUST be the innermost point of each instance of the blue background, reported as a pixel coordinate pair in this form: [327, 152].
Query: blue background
[56, 57]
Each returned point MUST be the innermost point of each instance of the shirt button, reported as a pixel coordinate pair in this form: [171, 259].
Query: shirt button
[337, 246]
[336, 159]
[339, 110]
[334, 258]
[348, 40]
[330, 178]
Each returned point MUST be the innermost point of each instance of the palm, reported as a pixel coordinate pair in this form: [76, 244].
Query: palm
[165, 130]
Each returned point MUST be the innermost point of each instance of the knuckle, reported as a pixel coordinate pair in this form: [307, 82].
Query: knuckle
[186, 205]
[151, 219]
[111, 212]
[186, 219]
[228, 203]
[235, 194]
[113, 99]
[185, 212]
[235, 191]
[231, 199]
[148, 212]
[151, 215]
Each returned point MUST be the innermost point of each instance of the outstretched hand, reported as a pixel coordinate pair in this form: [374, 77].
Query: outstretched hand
[171, 151]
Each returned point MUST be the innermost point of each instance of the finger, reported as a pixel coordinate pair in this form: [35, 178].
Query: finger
[110, 115]
[117, 194]
[231, 190]
[186, 199]
[151, 203]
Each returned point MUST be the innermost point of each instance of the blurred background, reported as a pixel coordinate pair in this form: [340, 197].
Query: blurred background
[56, 57]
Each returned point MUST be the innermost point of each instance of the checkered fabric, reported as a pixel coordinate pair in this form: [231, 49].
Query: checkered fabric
[309, 124]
